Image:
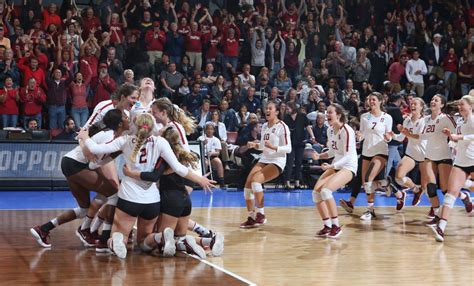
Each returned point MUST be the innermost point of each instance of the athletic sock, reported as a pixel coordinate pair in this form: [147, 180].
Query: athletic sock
[335, 221]
[260, 210]
[370, 206]
[201, 230]
[86, 223]
[442, 224]
[252, 214]
[327, 222]
[47, 227]
[106, 232]
[96, 223]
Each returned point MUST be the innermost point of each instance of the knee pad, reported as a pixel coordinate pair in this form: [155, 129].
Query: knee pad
[317, 197]
[112, 200]
[257, 187]
[449, 201]
[100, 199]
[248, 194]
[431, 190]
[368, 188]
[326, 194]
[401, 181]
[80, 212]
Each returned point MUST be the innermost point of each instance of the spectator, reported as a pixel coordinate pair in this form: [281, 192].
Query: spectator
[282, 82]
[435, 54]
[277, 52]
[9, 102]
[291, 59]
[378, 62]
[349, 90]
[183, 90]
[155, 40]
[170, 80]
[28, 66]
[194, 99]
[320, 132]
[396, 74]
[218, 89]
[415, 70]
[69, 131]
[8, 68]
[203, 114]
[32, 124]
[57, 93]
[4, 41]
[466, 75]
[228, 116]
[174, 46]
[114, 66]
[32, 98]
[78, 94]
[129, 76]
[212, 149]
[104, 86]
[242, 116]
[221, 133]
[450, 65]
[336, 65]
[258, 50]
[208, 76]
[193, 46]
[252, 103]
[246, 79]
[230, 47]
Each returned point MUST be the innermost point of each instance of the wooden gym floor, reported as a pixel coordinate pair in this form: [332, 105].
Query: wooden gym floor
[394, 249]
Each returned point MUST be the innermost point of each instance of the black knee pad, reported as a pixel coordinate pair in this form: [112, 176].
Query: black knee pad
[431, 189]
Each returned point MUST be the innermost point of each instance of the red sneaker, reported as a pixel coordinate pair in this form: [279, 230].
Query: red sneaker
[40, 236]
[439, 234]
[431, 214]
[249, 223]
[260, 219]
[416, 196]
[401, 201]
[324, 232]
[346, 205]
[467, 202]
[433, 222]
[335, 232]
[102, 247]
[85, 236]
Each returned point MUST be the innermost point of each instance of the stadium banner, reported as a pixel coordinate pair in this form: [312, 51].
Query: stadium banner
[32, 164]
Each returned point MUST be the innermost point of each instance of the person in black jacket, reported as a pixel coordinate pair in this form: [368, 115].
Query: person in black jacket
[393, 108]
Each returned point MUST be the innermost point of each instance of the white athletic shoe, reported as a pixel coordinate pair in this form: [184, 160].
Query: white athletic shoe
[368, 215]
[170, 247]
[193, 248]
[118, 246]
[217, 245]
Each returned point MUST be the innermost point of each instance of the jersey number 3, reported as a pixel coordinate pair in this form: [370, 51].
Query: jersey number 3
[143, 156]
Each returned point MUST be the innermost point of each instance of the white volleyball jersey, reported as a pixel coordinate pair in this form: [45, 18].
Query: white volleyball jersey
[342, 146]
[182, 134]
[437, 147]
[139, 108]
[154, 147]
[99, 112]
[465, 147]
[99, 138]
[373, 129]
[277, 135]
[416, 148]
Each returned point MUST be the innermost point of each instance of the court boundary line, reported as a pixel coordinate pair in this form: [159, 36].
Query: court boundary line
[228, 272]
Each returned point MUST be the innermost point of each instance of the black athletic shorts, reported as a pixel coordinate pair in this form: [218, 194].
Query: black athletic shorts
[145, 211]
[414, 159]
[444, 161]
[370, 158]
[467, 170]
[175, 200]
[70, 166]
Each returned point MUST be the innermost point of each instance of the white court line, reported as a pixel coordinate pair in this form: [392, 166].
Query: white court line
[236, 276]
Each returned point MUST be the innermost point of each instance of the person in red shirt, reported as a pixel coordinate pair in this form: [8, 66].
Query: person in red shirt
[32, 98]
[450, 66]
[50, 16]
[395, 73]
[90, 24]
[104, 86]
[155, 40]
[9, 99]
[193, 46]
[212, 41]
[28, 66]
[115, 27]
[230, 47]
[466, 75]
[89, 58]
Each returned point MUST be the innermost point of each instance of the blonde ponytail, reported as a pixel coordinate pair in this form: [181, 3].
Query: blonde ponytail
[184, 157]
[144, 123]
[176, 114]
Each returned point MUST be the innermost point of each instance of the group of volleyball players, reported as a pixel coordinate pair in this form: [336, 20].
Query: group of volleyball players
[429, 147]
[150, 137]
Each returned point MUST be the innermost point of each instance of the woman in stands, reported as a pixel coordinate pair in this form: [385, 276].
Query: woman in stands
[176, 203]
[438, 158]
[463, 163]
[342, 146]
[169, 115]
[415, 152]
[275, 144]
[375, 130]
[140, 198]
[81, 180]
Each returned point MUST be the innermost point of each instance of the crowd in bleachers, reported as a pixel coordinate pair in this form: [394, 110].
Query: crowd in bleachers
[222, 60]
